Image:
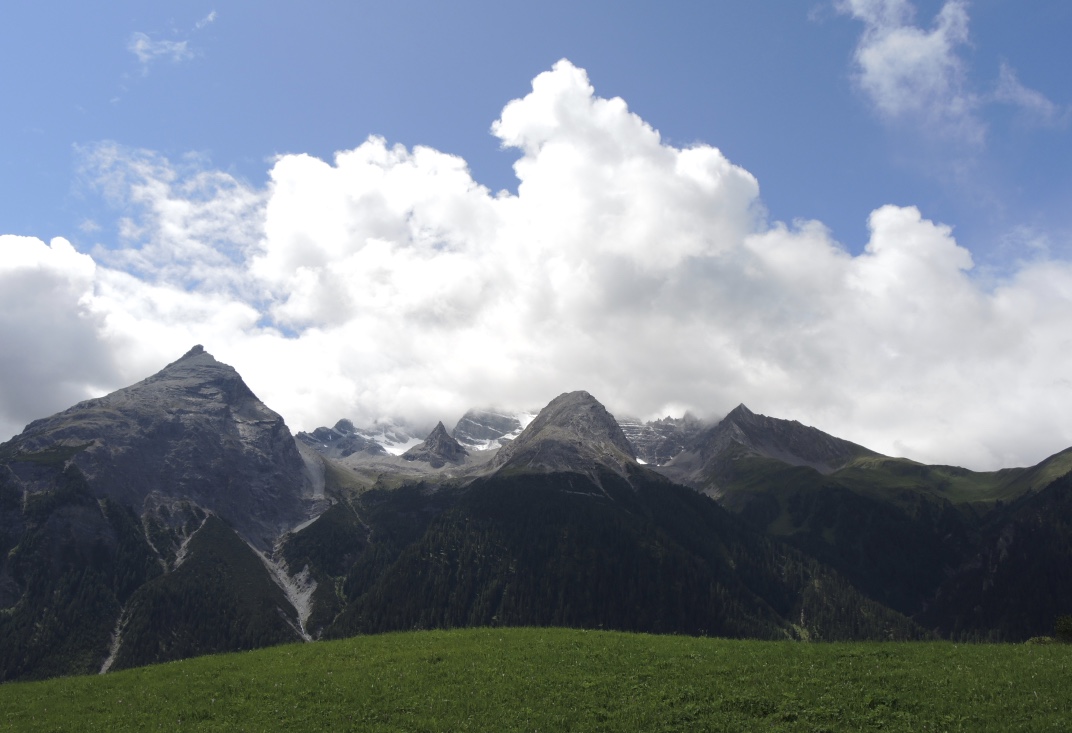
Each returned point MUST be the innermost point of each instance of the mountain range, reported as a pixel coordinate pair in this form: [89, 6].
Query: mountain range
[179, 516]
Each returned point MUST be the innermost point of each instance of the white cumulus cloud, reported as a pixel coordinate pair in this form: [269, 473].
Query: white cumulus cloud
[388, 282]
[52, 353]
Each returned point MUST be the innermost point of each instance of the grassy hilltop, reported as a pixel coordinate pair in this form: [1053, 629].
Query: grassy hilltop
[567, 680]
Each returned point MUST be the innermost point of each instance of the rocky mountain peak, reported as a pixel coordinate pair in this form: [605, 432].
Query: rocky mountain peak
[574, 432]
[192, 431]
[740, 413]
[582, 415]
[437, 449]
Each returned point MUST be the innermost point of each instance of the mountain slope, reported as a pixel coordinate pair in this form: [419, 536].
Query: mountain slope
[710, 462]
[195, 431]
[907, 534]
[108, 498]
[220, 598]
[568, 529]
[1019, 578]
[68, 564]
[641, 555]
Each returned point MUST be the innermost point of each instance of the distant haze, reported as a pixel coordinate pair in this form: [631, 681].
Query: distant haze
[386, 282]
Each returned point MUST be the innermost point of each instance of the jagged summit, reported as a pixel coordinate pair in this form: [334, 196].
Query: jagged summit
[438, 449]
[194, 431]
[574, 432]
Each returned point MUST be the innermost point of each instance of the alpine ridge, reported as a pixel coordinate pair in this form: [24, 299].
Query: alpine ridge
[179, 516]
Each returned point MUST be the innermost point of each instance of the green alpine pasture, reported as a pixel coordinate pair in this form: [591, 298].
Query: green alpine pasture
[567, 680]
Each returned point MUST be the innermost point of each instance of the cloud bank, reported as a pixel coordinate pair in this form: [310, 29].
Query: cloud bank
[388, 282]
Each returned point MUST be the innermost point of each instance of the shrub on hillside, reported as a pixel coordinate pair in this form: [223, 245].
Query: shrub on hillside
[1063, 629]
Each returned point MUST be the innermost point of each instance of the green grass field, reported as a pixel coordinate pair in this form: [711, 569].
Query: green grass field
[567, 680]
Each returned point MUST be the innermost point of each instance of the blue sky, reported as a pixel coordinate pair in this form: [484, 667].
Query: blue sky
[117, 117]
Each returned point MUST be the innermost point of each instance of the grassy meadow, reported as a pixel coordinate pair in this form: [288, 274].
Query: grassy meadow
[567, 680]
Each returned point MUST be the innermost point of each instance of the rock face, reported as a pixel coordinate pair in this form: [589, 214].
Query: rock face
[438, 449]
[709, 460]
[573, 433]
[657, 441]
[193, 431]
[488, 429]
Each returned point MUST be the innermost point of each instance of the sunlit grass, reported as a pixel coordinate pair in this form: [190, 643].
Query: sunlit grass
[568, 680]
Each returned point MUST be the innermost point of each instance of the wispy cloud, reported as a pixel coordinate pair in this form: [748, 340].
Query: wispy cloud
[208, 19]
[1035, 108]
[916, 75]
[149, 50]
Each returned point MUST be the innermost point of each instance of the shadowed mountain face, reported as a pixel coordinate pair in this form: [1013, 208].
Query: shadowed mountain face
[1019, 578]
[193, 431]
[938, 543]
